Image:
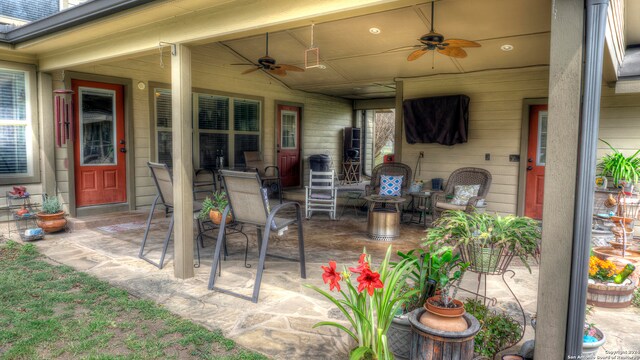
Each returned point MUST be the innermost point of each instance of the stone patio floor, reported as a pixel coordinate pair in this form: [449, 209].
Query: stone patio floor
[280, 324]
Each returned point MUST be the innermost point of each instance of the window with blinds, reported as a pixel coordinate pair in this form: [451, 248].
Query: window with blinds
[223, 125]
[14, 123]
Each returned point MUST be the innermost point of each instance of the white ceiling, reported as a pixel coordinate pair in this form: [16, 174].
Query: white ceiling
[632, 22]
[360, 65]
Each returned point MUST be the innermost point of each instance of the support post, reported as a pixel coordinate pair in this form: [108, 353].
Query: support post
[182, 162]
[47, 146]
[595, 27]
[565, 80]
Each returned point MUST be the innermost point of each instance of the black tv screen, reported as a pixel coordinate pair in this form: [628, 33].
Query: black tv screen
[442, 119]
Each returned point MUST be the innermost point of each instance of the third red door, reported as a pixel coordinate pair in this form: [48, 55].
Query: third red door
[536, 159]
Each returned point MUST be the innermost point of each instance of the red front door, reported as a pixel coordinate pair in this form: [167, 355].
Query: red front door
[288, 130]
[99, 143]
[536, 159]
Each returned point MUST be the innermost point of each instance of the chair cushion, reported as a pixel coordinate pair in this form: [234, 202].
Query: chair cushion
[449, 206]
[391, 185]
[321, 196]
[463, 193]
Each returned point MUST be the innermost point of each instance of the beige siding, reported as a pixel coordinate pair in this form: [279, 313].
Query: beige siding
[619, 122]
[495, 118]
[322, 120]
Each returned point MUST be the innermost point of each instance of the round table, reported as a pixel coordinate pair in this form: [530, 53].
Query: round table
[383, 217]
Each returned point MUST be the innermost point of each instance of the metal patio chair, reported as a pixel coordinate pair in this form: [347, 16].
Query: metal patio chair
[164, 183]
[269, 175]
[321, 194]
[250, 205]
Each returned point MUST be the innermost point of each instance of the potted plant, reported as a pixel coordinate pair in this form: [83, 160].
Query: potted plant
[624, 170]
[488, 242]
[593, 338]
[51, 218]
[608, 287]
[213, 207]
[419, 286]
[370, 305]
[442, 323]
[498, 332]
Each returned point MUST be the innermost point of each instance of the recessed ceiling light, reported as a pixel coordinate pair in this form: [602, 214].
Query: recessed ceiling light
[322, 66]
[506, 47]
[375, 31]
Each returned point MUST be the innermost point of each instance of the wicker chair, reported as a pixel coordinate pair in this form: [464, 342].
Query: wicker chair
[393, 168]
[462, 176]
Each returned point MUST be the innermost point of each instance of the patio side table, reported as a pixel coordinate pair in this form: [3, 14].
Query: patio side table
[383, 218]
[420, 201]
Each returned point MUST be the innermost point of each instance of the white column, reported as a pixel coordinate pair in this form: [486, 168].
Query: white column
[182, 162]
[565, 77]
[47, 146]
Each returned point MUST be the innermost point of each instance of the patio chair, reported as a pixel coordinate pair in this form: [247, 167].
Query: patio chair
[321, 194]
[164, 183]
[463, 178]
[390, 169]
[269, 175]
[250, 205]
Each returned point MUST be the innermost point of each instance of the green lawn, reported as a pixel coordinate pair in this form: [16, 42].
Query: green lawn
[49, 311]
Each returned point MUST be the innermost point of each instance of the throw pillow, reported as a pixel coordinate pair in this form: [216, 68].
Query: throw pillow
[463, 193]
[391, 185]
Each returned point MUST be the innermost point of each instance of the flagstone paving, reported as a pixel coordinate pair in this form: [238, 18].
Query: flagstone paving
[280, 325]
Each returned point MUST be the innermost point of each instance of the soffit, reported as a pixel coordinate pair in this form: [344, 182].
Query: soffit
[632, 22]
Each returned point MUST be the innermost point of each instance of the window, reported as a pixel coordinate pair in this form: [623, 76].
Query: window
[223, 125]
[17, 135]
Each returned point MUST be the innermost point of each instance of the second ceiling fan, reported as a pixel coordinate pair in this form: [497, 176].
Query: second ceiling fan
[434, 41]
[269, 64]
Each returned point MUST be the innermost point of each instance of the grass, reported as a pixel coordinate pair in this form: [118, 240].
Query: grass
[50, 311]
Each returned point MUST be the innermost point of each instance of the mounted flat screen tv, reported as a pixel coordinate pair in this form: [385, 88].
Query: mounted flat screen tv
[442, 119]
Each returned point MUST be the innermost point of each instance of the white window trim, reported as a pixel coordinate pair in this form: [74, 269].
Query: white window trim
[31, 127]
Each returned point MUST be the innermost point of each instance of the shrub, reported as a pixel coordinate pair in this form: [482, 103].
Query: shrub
[497, 332]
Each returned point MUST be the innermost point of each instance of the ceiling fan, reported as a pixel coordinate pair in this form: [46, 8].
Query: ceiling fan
[437, 42]
[268, 64]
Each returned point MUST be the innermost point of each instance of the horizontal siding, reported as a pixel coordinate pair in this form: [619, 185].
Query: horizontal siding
[323, 117]
[495, 118]
[619, 122]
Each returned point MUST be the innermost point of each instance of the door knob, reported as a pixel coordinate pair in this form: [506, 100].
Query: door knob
[529, 168]
[529, 160]
[123, 150]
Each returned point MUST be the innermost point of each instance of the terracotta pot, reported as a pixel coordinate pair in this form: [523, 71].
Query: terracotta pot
[216, 217]
[50, 223]
[456, 311]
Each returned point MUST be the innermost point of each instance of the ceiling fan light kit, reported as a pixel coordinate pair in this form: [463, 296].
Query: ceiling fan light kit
[434, 41]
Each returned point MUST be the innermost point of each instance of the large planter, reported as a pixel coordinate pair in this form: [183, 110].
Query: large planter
[429, 343]
[50, 223]
[610, 295]
[590, 350]
[216, 217]
[399, 337]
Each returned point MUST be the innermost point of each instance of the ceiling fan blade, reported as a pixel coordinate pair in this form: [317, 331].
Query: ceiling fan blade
[243, 64]
[453, 51]
[250, 70]
[462, 43]
[288, 67]
[416, 54]
[278, 71]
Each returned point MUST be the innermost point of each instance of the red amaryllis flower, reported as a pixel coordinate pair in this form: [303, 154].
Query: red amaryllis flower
[331, 276]
[363, 265]
[369, 280]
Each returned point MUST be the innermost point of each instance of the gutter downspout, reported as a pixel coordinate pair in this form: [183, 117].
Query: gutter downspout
[596, 22]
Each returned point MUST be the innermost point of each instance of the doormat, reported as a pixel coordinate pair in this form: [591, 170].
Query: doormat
[122, 227]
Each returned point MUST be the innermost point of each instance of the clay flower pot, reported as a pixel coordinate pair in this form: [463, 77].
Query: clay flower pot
[431, 306]
[50, 223]
[216, 217]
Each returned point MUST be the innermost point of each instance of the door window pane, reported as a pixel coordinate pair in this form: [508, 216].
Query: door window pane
[246, 115]
[213, 112]
[542, 139]
[289, 130]
[97, 127]
[13, 150]
[211, 146]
